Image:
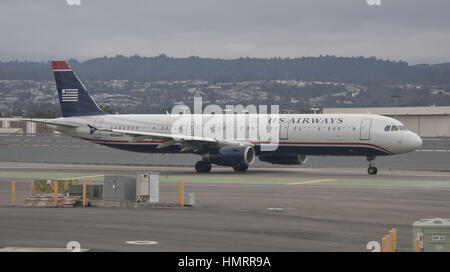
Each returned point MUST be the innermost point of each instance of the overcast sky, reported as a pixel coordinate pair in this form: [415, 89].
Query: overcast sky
[417, 31]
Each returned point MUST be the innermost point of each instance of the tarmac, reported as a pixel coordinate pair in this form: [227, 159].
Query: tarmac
[433, 155]
[264, 209]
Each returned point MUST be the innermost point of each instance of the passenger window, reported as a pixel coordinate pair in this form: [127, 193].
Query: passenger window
[394, 128]
[387, 128]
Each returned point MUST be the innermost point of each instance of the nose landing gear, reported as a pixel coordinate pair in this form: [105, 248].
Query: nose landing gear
[372, 170]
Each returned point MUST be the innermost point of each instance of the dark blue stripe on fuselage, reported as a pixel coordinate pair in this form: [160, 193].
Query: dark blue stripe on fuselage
[282, 150]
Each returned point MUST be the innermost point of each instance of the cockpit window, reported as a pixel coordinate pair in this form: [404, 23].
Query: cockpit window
[394, 128]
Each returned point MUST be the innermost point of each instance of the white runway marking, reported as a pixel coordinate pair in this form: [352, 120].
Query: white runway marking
[142, 243]
[428, 150]
[276, 209]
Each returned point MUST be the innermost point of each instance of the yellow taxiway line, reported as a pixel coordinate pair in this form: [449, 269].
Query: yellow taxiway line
[85, 177]
[310, 181]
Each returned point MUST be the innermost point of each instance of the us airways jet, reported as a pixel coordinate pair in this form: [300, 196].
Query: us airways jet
[297, 135]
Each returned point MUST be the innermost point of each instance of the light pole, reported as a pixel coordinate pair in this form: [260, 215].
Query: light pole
[11, 101]
[396, 97]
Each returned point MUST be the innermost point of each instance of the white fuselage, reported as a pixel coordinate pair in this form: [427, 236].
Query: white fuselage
[306, 134]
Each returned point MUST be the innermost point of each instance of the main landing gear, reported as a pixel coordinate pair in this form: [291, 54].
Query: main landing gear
[203, 167]
[240, 167]
[372, 170]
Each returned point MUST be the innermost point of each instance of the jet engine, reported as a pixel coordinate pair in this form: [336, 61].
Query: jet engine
[283, 159]
[231, 156]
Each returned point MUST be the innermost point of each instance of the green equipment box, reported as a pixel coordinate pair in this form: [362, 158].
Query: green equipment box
[92, 191]
[434, 235]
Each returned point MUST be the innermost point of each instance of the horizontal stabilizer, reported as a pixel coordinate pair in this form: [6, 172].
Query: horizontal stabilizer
[48, 122]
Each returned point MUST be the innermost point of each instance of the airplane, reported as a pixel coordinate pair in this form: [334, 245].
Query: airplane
[300, 135]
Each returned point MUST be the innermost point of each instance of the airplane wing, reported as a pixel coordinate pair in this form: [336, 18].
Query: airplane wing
[49, 122]
[188, 142]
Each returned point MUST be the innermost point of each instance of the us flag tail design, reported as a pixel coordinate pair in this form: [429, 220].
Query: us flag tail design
[73, 96]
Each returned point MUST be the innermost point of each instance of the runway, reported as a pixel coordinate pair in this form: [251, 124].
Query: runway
[433, 155]
[265, 209]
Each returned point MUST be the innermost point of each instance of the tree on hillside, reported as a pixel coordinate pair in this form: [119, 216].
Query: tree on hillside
[107, 109]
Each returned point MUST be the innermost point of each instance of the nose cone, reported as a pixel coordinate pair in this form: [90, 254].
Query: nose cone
[416, 141]
[405, 142]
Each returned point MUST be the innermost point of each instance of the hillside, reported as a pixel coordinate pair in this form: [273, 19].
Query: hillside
[326, 68]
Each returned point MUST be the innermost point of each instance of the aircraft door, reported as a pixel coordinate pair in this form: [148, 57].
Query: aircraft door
[96, 130]
[365, 129]
[196, 128]
[284, 129]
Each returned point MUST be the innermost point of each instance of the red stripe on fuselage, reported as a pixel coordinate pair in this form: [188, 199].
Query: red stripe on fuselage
[118, 141]
[257, 143]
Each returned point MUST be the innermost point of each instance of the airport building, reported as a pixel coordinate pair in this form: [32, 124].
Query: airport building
[17, 126]
[424, 121]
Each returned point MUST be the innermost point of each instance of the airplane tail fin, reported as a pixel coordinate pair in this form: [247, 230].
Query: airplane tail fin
[73, 96]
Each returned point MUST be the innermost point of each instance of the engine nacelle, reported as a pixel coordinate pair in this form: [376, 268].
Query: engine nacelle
[284, 160]
[231, 155]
